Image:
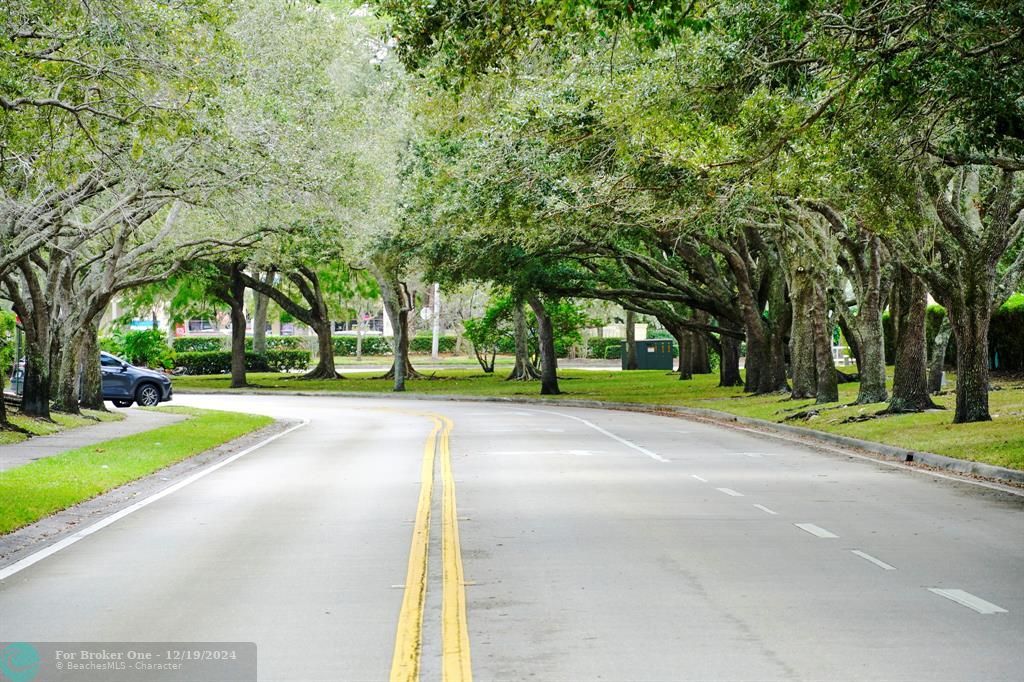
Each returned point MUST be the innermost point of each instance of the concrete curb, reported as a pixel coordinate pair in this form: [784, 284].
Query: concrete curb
[890, 452]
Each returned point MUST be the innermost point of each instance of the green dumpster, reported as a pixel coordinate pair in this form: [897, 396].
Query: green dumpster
[651, 354]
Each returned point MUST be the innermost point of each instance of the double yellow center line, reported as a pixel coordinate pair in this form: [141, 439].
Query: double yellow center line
[455, 662]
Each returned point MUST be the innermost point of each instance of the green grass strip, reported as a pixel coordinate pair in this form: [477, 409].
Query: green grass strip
[33, 491]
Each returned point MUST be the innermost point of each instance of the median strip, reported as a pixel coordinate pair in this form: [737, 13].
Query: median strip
[405, 665]
[454, 631]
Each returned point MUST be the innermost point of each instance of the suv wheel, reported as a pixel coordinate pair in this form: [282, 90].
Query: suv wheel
[147, 395]
[123, 403]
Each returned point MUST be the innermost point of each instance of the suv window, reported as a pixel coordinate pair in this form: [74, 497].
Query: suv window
[108, 361]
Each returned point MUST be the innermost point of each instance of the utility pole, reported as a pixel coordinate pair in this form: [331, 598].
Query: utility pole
[437, 321]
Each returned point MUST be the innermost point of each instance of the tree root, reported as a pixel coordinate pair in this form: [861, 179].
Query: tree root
[10, 426]
[319, 373]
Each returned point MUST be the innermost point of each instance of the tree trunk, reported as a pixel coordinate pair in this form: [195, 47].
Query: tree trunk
[67, 384]
[35, 399]
[869, 347]
[937, 361]
[729, 362]
[546, 340]
[756, 359]
[237, 306]
[524, 369]
[684, 368]
[970, 328]
[766, 349]
[686, 353]
[325, 367]
[4, 423]
[397, 305]
[827, 389]
[89, 361]
[699, 343]
[630, 340]
[259, 323]
[910, 378]
[803, 361]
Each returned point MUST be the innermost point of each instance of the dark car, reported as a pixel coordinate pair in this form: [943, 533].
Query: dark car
[124, 384]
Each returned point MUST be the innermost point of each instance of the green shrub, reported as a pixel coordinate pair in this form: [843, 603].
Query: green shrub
[603, 347]
[146, 347]
[372, 345]
[424, 344]
[199, 344]
[219, 362]
[8, 323]
[282, 343]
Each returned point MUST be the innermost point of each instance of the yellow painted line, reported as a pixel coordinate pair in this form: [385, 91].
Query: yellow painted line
[405, 664]
[455, 662]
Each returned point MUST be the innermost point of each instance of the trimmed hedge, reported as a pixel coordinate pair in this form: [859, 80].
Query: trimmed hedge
[372, 345]
[284, 342]
[1005, 335]
[205, 344]
[198, 344]
[219, 362]
[424, 344]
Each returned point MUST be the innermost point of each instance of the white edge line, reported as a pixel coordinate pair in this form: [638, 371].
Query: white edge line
[653, 455]
[699, 478]
[877, 562]
[766, 509]
[969, 600]
[35, 558]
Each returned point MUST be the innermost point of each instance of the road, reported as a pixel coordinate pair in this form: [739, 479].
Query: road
[594, 545]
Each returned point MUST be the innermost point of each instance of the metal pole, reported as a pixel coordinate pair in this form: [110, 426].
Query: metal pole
[437, 321]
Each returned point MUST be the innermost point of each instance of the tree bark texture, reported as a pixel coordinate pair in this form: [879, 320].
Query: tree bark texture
[546, 340]
[910, 378]
[261, 302]
[729, 362]
[937, 359]
[827, 387]
[970, 328]
[236, 302]
[524, 369]
[89, 363]
[701, 357]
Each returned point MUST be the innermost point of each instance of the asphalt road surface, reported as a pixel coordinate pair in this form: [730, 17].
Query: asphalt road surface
[548, 544]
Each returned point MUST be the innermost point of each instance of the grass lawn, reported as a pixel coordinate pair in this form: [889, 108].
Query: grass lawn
[61, 421]
[999, 442]
[386, 360]
[33, 491]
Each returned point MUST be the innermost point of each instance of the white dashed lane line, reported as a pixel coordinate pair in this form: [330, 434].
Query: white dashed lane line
[877, 562]
[815, 530]
[699, 478]
[766, 510]
[969, 600]
[729, 491]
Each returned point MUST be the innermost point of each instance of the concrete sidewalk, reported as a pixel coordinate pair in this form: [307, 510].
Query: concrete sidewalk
[38, 447]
